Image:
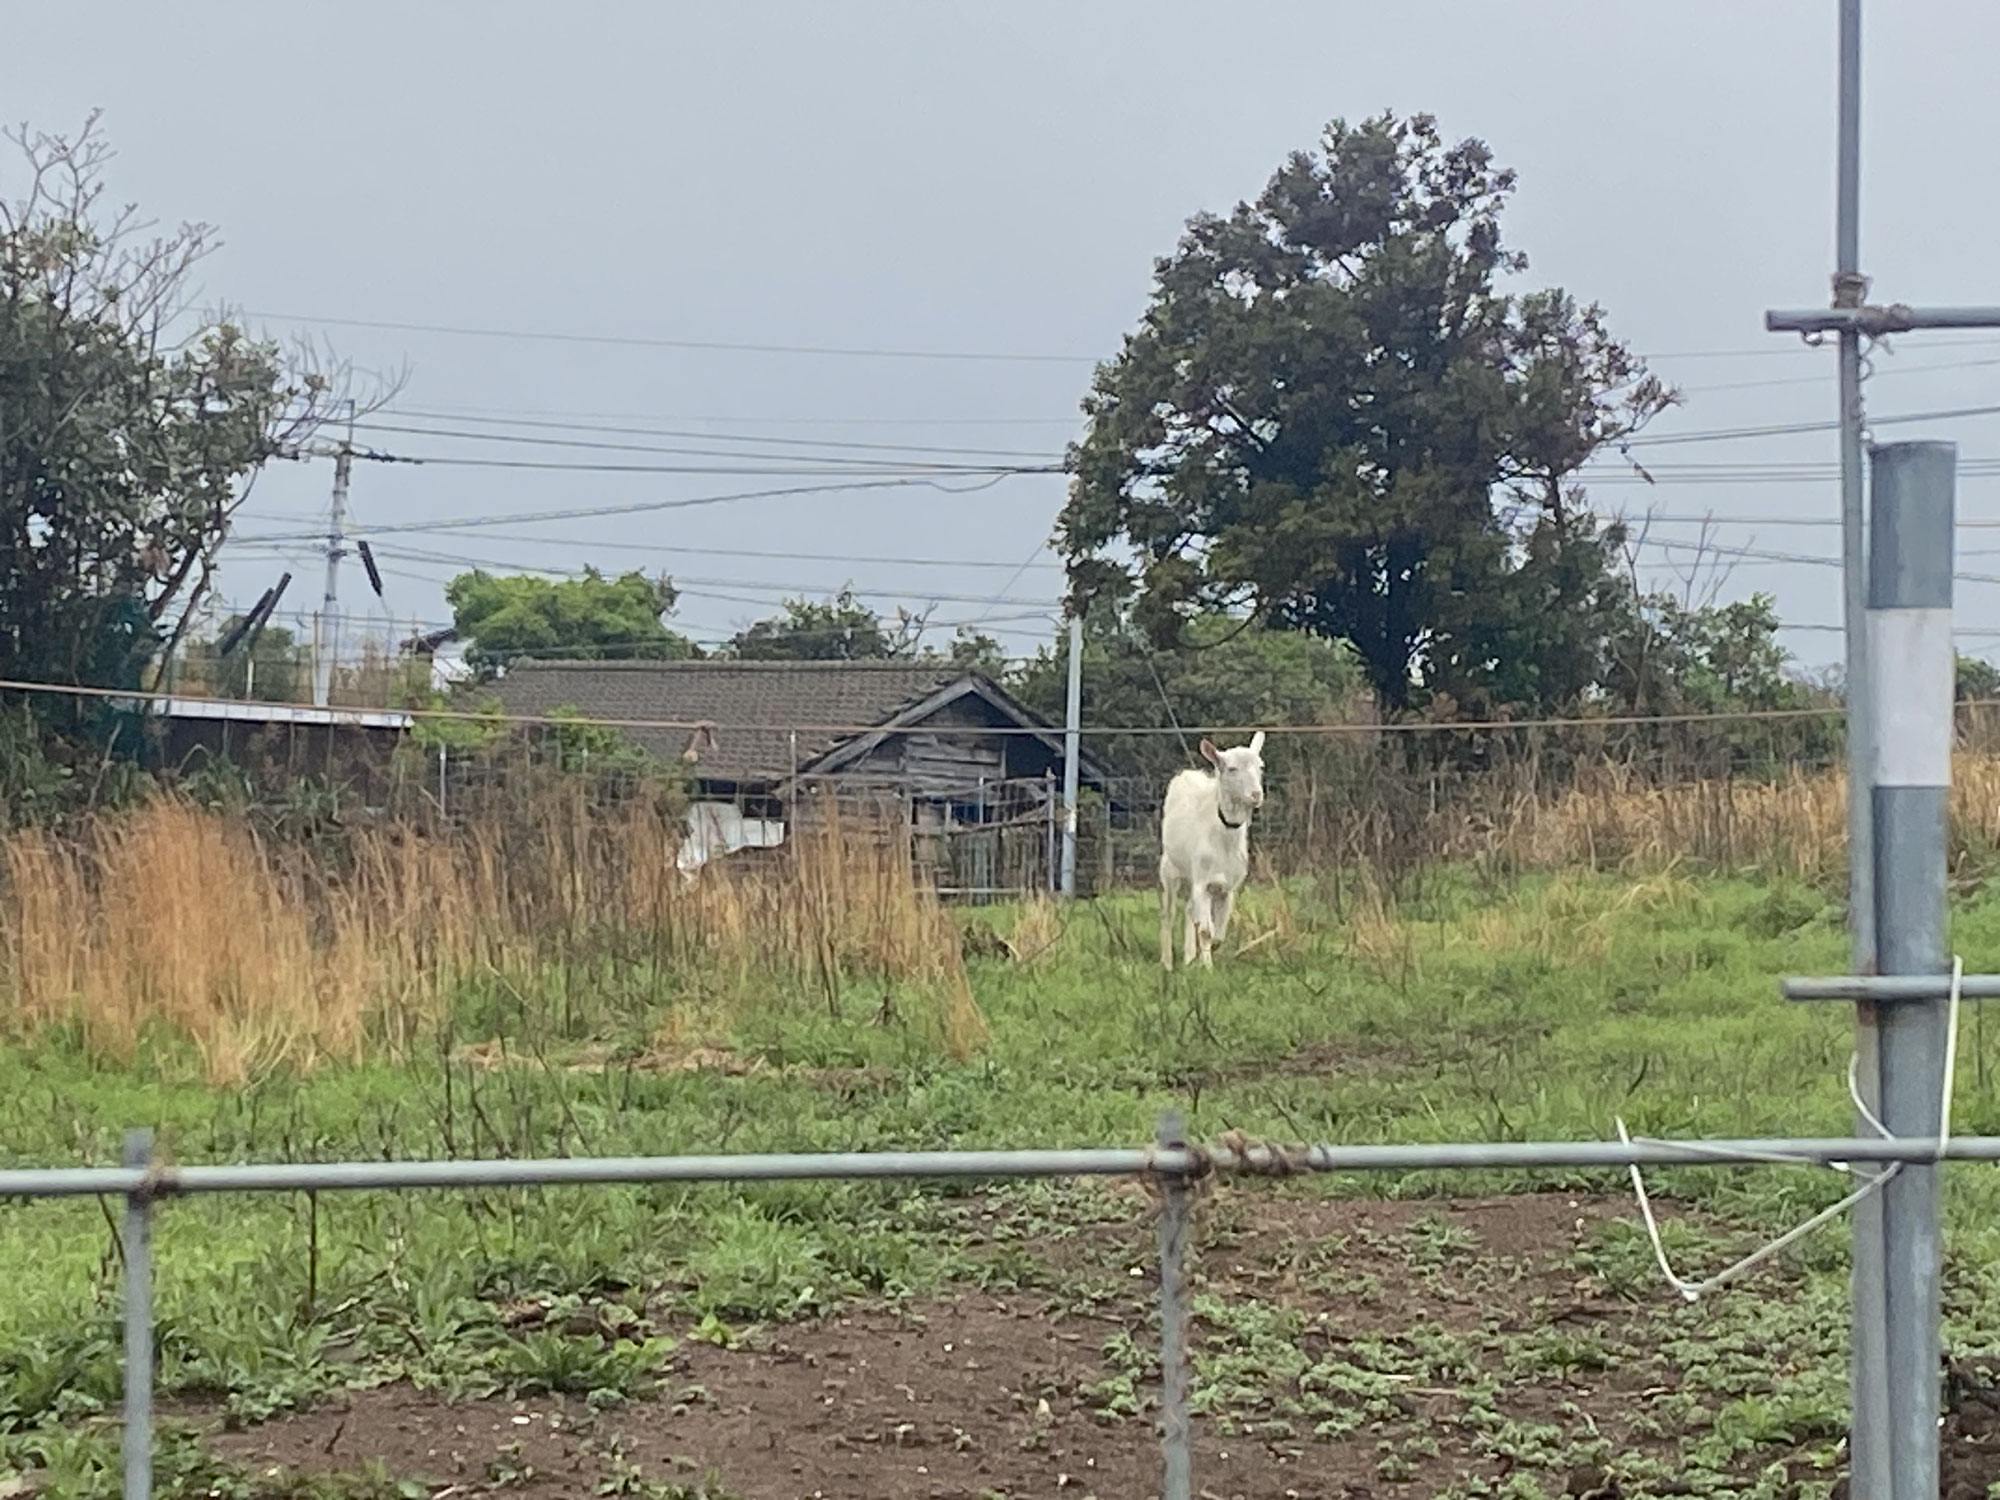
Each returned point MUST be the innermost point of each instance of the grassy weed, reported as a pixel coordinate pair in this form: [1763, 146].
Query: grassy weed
[1542, 1008]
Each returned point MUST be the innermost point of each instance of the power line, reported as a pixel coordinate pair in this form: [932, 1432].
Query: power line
[1758, 554]
[864, 352]
[1966, 632]
[841, 461]
[1792, 429]
[643, 507]
[463, 413]
[676, 432]
[675, 549]
[1932, 367]
[1614, 470]
[708, 636]
[1651, 518]
[459, 560]
[448, 461]
[584, 420]
[724, 346]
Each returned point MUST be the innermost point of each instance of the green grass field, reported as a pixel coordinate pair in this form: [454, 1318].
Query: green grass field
[1534, 1011]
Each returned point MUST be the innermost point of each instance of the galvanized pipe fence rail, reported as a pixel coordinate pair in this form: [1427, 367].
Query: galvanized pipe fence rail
[1173, 1165]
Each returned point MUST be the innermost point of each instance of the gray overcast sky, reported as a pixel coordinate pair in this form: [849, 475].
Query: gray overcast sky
[995, 180]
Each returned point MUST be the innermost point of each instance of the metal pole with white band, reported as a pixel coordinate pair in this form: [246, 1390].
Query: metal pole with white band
[1911, 681]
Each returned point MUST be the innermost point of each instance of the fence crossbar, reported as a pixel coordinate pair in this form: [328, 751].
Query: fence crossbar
[164, 1181]
[1175, 1166]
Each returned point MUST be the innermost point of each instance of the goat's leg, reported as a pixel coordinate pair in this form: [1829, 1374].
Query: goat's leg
[1201, 925]
[1167, 920]
[1224, 904]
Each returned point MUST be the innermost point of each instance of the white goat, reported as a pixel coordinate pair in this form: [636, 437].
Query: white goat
[1205, 846]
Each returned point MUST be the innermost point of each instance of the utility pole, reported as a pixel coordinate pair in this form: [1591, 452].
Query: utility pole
[1072, 751]
[1909, 631]
[1868, 1458]
[326, 642]
[1881, 1457]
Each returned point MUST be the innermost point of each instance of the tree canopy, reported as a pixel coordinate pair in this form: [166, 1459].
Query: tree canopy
[586, 618]
[128, 427]
[272, 667]
[840, 628]
[1227, 673]
[1335, 417]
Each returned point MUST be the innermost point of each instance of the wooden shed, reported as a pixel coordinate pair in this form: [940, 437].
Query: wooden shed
[974, 774]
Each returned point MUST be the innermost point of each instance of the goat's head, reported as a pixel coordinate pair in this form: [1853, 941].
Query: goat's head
[1239, 774]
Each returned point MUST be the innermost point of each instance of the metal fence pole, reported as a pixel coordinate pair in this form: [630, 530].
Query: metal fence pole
[1176, 1440]
[1868, 1457]
[1072, 753]
[1909, 628]
[1049, 797]
[138, 1243]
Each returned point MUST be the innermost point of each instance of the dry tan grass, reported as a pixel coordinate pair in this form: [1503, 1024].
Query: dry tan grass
[1376, 936]
[1037, 930]
[1614, 819]
[172, 919]
[1265, 919]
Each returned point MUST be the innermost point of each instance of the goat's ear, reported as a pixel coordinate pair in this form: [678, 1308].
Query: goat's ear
[1257, 743]
[1210, 754]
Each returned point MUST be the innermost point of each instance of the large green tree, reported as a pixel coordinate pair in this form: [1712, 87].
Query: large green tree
[1336, 416]
[586, 618]
[128, 426]
[1149, 706]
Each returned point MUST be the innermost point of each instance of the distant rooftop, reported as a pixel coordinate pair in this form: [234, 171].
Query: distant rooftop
[756, 706]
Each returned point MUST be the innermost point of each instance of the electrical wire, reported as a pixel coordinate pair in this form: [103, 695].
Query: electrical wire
[840, 461]
[618, 430]
[676, 549]
[1793, 429]
[634, 342]
[456, 560]
[457, 461]
[646, 507]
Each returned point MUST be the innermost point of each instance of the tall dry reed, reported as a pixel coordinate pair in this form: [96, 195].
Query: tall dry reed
[170, 921]
[1794, 825]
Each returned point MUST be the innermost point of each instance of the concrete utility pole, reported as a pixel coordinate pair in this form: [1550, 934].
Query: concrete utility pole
[326, 643]
[1072, 751]
[1909, 640]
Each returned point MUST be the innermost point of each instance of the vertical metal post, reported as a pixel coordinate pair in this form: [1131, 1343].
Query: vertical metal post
[138, 1244]
[444, 779]
[1049, 802]
[1176, 1440]
[328, 643]
[1909, 630]
[1072, 749]
[1867, 1446]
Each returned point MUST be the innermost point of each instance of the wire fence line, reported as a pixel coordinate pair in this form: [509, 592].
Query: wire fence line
[1172, 1167]
[1723, 789]
[1332, 728]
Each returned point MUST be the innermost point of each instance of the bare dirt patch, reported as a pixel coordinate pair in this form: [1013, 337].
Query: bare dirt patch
[527, 1447]
[1343, 1349]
